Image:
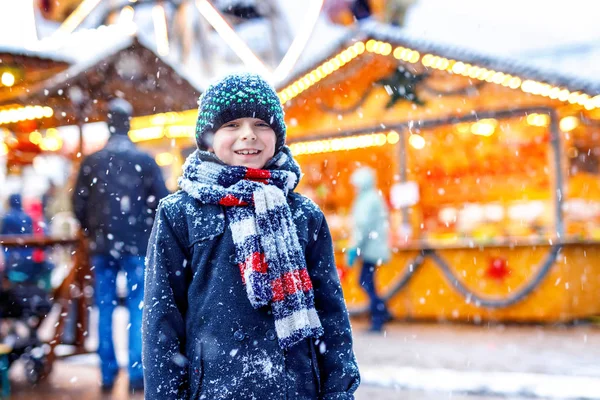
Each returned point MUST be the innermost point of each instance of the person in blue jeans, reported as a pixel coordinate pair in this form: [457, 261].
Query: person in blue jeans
[370, 240]
[115, 199]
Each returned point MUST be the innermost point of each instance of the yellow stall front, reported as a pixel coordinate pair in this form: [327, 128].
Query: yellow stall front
[490, 170]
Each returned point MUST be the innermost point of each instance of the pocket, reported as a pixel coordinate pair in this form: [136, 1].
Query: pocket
[315, 364]
[196, 373]
[206, 226]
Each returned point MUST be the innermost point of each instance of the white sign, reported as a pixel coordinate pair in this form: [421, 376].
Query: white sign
[404, 194]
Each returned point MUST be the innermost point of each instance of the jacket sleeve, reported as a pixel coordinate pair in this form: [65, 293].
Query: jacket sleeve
[81, 194]
[338, 369]
[165, 305]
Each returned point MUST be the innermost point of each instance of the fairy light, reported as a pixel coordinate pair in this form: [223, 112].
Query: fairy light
[17, 114]
[7, 79]
[416, 141]
[164, 159]
[344, 144]
[180, 131]
[433, 61]
[567, 124]
[35, 137]
[484, 127]
[143, 134]
[324, 70]
[541, 120]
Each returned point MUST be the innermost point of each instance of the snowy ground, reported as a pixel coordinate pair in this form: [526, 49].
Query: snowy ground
[416, 362]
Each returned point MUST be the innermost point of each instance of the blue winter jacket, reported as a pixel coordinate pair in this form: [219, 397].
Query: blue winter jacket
[202, 337]
[17, 222]
[115, 197]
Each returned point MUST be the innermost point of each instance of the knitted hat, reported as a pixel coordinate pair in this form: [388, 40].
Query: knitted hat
[238, 96]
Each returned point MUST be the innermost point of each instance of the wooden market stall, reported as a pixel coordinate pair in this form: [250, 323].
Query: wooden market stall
[157, 89]
[491, 170]
[31, 112]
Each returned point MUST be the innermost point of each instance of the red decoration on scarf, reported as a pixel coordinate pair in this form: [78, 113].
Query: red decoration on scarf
[230, 201]
[290, 283]
[258, 175]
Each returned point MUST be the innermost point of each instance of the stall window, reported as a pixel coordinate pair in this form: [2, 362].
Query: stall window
[485, 181]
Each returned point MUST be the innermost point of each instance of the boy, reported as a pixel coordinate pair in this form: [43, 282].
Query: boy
[242, 297]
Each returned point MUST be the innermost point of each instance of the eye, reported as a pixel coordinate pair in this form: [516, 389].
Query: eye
[231, 125]
[262, 124]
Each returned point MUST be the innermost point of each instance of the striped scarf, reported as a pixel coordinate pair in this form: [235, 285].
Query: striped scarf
[271, 261]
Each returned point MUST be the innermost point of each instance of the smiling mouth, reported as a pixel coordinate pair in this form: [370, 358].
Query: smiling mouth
[247, 152]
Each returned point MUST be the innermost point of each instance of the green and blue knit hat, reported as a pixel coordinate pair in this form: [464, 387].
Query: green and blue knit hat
[236, 96]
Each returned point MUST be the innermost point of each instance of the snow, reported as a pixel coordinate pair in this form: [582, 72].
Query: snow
[481, 382]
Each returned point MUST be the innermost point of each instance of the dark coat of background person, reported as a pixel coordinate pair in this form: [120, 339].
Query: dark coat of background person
[230, 350]
[115, 197]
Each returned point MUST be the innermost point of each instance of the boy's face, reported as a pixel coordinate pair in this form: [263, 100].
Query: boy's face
[246, 142]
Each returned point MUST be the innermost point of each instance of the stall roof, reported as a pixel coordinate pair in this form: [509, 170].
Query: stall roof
[41, 55]
[397, 36]
[126, 68]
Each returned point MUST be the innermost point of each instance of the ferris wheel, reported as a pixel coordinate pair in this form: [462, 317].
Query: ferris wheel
[254, 32]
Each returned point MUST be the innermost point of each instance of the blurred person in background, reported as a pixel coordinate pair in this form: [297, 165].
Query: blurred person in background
[370, 240]
[116, 194]
[18, 261]
[42, 266]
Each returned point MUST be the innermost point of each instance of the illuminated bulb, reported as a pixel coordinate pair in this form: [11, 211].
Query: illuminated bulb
[567, 124]
[426, 61]
[164, 159]
[35, 137]
[7, 79]
[458, 68]
[484, 127]
[573, 97]
[554, 93]
[359, 47]
[498, 78]
[371, 46]
[3, 149]
[385, 49]
[563, 95]
[538, 119]
[398, 52]
[416, 141]
[414, 57]
[393, 137]
[380, 139]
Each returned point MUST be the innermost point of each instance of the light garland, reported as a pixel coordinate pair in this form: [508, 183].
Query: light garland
[159, 132]
[13, 115]
[325, 69]
[440, 63]
[344, 144]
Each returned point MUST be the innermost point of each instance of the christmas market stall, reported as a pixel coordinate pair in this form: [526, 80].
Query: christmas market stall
[490, 169]
[63, 114]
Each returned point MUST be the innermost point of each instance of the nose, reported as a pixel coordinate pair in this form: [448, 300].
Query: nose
[247, 133]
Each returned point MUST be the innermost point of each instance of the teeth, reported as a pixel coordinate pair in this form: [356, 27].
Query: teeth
[247, 152]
